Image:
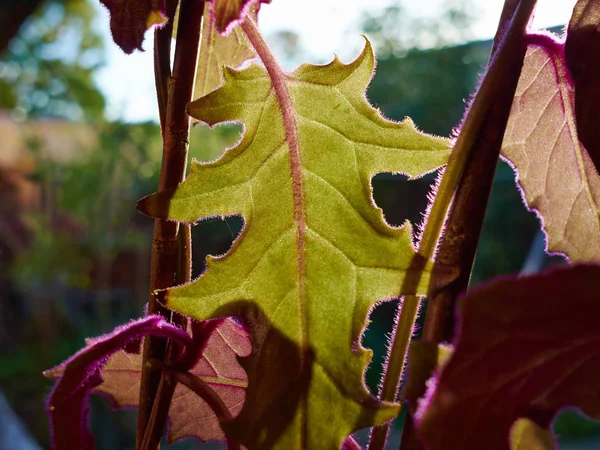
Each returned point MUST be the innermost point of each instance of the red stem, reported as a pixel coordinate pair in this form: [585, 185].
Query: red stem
[166, 268]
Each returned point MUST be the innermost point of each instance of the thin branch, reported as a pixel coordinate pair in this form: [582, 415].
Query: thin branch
[160, 410]
[166, 246]
[465, 221]
[166, 387]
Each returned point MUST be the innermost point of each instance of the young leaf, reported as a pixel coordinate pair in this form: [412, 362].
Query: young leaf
[554, 170]
[582, 52]
[314, 254]
[217, 51]
[525, 349]
[129, 20]
[78, 375]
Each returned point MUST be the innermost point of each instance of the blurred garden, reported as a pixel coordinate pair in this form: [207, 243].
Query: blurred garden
[74, 252]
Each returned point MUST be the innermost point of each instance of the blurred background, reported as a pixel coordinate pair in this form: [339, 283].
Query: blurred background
[80, 144]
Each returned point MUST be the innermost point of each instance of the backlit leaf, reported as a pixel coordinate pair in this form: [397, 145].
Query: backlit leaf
[217, 51]
[189, 415]
[554, 170]
[315, 254]
[82, 372]
[129, 20]
[526, 348]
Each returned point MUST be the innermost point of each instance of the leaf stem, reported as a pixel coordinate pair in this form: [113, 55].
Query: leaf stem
[167, 245]
[500, 68]
[278, 80]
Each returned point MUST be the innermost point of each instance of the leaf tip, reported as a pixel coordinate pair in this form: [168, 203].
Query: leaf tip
[156, 205]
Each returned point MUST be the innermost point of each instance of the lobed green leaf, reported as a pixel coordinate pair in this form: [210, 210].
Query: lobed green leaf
[315, 253]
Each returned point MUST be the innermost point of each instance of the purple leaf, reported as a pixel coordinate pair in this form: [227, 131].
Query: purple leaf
[129, 20]
[226, 14]
[218, 367]
[582, 53]
[554, 170]
[67, 404]
[526, 348]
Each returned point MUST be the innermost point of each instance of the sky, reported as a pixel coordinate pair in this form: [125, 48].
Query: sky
[325, 27]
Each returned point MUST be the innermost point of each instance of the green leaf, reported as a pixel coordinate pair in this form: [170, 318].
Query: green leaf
[315, 254]
[217, 51]
[554, 170]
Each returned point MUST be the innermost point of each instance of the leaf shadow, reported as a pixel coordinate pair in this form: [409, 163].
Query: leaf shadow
[279, 375]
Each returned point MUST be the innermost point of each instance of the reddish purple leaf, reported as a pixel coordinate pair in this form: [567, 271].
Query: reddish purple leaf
[526, 348]
[582, 52]
[129, 20]
[226, 14]
[78, 375]
[554, 170]
[189, 415]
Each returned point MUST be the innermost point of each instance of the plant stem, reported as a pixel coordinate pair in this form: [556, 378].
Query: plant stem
[400, 340]
[465, 221]
[162, 61]
[500, 68]
[166, 386]
[167, 246]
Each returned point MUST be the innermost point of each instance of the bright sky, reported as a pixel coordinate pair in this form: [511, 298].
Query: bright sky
[325, 27]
